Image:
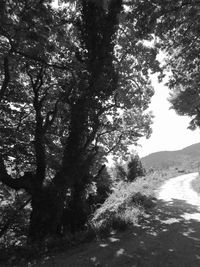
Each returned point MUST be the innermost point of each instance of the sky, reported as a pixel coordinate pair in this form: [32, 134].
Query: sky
[169, 129]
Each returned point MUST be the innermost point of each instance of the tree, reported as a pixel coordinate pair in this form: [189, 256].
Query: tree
[134, 168]
[79, 92]
[103, 185]
[177, 32]
[120, 172]
[184, 64]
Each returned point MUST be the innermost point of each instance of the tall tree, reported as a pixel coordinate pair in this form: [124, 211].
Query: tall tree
[80, 91]
[184, 63]
[177, 30]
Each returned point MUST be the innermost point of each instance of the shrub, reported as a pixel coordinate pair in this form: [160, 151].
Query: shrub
[134, 168]
[122, 208]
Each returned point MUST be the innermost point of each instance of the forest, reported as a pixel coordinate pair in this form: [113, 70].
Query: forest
[75, 88]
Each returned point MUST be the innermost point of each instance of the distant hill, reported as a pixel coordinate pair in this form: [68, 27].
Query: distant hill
[187, 158]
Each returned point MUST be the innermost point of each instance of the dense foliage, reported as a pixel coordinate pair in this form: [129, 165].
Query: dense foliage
[177, 27]
[128, 171]
[74, 88]
[134, 168]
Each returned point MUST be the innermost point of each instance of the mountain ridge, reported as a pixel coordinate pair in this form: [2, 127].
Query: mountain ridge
[187, 158]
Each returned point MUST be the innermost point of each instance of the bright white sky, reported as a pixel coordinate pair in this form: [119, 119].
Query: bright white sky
[169, 129]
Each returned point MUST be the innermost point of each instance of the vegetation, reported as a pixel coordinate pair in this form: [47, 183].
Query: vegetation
[128, 171]
[129, 202]
[186, 159]
[75, 88]
[134, 168]
[179, 38]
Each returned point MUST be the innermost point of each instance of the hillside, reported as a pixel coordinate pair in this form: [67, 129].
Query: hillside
[187, 158]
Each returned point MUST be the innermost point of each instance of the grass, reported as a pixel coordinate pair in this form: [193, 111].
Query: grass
[123, 208]
[129, 202]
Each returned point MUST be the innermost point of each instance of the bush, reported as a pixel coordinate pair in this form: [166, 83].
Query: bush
[134, 168]
[120, 172]
[14, 218]
[122, 208]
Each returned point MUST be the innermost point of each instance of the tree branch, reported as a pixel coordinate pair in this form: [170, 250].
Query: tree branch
[25, 182]
[52, 114]
[113, 148]
[6, 78]
[39, 133]
[41, 60]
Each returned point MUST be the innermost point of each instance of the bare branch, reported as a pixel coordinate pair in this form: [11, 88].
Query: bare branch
[6, 78]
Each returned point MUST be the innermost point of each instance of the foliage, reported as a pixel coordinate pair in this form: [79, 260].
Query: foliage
[177, 29]
[75, 87]
[14, 218]
[134, 168]
[103, 185]
[129, 201]
[120, 173]
[123, 207]
[56, 59]
[176, 33]
[128, 171]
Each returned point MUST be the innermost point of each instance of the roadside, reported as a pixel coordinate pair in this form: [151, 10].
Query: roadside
[167, 236]
[122, 210]
[196, 184]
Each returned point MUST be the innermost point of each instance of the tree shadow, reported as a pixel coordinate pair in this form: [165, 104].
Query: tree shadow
[169, 235]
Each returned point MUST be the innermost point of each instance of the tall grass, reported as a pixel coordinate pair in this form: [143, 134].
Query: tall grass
[128, 202]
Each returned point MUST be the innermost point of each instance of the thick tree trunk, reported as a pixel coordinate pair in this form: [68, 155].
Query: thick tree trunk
[77, 214]
[47, 212]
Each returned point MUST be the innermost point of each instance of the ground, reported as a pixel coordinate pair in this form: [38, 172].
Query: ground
[168, 236]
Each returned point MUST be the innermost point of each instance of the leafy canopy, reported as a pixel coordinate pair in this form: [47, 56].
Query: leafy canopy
[49, 60]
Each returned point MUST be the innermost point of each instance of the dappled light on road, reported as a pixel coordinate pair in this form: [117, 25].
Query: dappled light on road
[163, 238]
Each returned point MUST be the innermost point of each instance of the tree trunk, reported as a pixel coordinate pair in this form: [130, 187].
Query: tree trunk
[47, 212]
[77, 210]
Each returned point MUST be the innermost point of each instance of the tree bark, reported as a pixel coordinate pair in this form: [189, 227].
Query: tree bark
[46, 215]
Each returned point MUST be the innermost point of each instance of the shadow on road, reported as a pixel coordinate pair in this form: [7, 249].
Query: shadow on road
[168, 236]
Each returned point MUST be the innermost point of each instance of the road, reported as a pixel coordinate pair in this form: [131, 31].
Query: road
[168, 236]
[180, 188]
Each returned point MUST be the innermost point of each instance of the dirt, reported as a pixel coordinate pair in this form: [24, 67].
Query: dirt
[168, 236]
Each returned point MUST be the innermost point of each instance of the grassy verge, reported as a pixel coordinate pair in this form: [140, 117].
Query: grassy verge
[196, 184]
[123, 208]
[128, 202]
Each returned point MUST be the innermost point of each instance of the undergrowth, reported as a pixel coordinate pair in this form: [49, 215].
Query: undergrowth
[128, 202]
